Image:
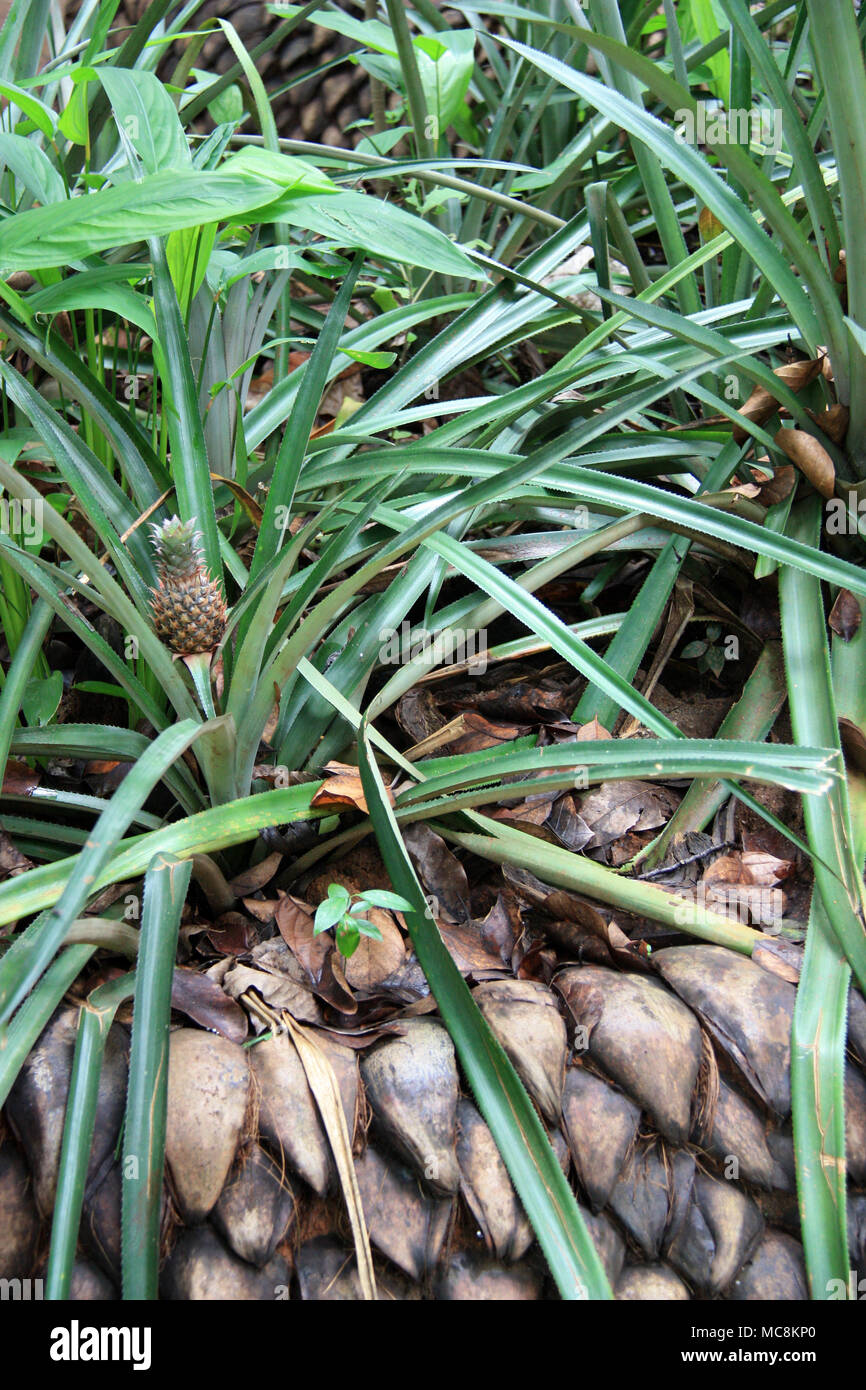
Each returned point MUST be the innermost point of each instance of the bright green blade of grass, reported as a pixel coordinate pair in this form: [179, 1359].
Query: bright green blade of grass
[634, 636]
[107, 508]
[19, 673]
[140, 465]
[838, 51]
[689, 165]
[109, 594]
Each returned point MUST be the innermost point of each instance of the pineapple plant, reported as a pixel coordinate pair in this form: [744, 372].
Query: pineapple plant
[189, 612]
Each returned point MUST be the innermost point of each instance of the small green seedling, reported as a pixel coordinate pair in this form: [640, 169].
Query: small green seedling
[341, 909]
[709, 653]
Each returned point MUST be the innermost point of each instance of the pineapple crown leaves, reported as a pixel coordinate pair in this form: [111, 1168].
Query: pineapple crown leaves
[178, 545]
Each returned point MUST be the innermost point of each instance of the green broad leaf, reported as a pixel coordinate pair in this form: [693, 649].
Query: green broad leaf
[372, 33]
[384, 69]
[84, 292]
[228, 106]
[42, 117]
[146, 116]
[74, 123]
[188, 254]
[327, 916]
[384, 231]
[348, 939]
[379, 360]
[383, 141]
[445, 66]
[693, 650]
[291, 174]
[338, 893]
[32, 168]
[379, 897]
[129, 212]
[42, 697]
[368, 929]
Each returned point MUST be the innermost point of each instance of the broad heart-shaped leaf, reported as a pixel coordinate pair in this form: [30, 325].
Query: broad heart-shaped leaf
[32, 169]
[145, 114]
[42, 695]
[382, 230]
[445, 64]
[130, 212]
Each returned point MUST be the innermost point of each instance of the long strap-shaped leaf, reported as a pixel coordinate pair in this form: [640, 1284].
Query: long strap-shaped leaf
[103, 501]
[819, 1025]
[140, 465]
[20, 969]
[20, 671]
[109, 596]
[540, 1183]
[102, 741]
[165, 888]
[189, 462]
[215, 829]
[803, 769]
[95, 1020]
[696, 172]
[35, 1012]
[287, 467]
[810, 693]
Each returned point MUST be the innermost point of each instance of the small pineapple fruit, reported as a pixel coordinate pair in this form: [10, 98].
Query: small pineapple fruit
[188, 608]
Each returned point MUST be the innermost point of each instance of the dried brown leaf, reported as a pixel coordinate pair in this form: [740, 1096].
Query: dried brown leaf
[18, 779]
[810, 457]
[374, 961]
[202, 1000]
[845, 615]
[296, 926]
